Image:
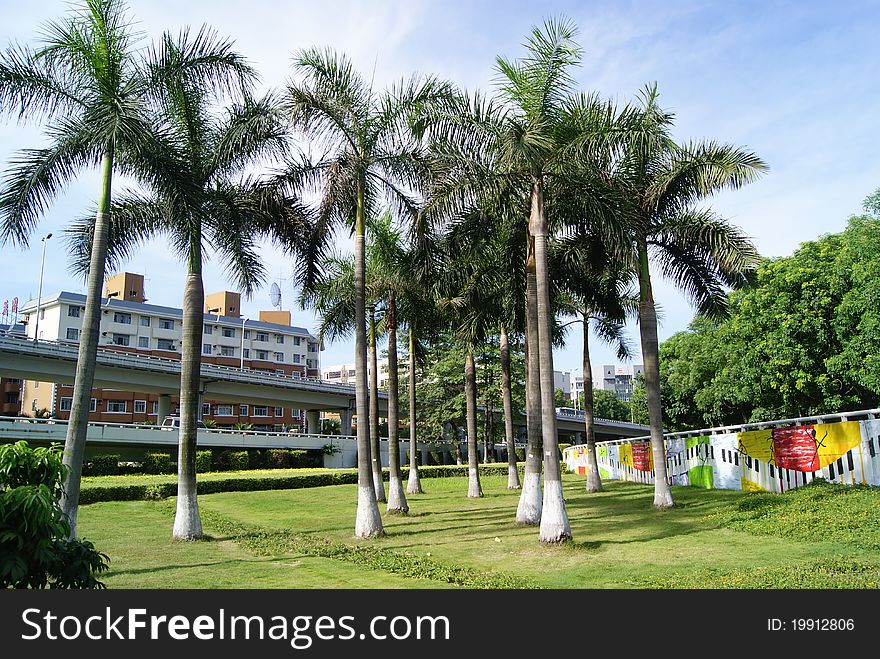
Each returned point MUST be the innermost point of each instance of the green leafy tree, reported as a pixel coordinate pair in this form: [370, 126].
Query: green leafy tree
[35, 551]
[608, 406]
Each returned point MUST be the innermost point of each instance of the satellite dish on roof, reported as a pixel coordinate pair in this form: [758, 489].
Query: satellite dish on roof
[275, 295]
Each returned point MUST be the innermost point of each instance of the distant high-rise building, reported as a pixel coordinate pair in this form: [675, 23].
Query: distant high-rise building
[621, 379]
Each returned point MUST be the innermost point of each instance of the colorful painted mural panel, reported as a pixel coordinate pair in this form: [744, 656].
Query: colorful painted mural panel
[772, 460]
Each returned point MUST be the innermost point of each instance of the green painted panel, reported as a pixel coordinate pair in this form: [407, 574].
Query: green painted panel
[701, 477]
[690, 442]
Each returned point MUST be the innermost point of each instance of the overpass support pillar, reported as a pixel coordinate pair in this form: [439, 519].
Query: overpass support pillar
[313, 422]
[345, 419]
[164, 408]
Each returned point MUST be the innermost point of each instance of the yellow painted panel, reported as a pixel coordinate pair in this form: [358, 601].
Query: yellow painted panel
[757, 444]
[833, 440]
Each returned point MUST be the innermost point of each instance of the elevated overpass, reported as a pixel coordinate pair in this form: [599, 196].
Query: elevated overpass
[114, 369]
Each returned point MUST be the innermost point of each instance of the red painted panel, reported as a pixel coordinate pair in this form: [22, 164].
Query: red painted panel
[795, 448]
[641, 456]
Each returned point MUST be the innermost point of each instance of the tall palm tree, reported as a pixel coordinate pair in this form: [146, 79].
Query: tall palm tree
[91, 83]
[694, 247]
[539, 135]
[369, 153]
[387, 288]
[209, 203]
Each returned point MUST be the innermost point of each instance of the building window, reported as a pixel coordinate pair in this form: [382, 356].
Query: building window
[313, 347]
[145, 321]
[116, 406]
[294, 414]
[351, 372]
[279, 338]
[229, 332]
[296, 358]
[261, 410]
[206, 409]
[247, 334]
[123, 318]
[278, 427]
[165, 344]
[208, 329]
[121, 339]
[263, 354]
[227, 351]
[11, 397]
[332, 375]
[155, 407]
[143, 342]
[93, 405]
[166, 323]
[296, 375]
[72, 333]
[279, 411]
[206, 348]
[140, 406]
[242, 410]
[73, 311]
[42, 314]
[262, 336]
[279, 356]
[66, 404]
[280, 371]
[246, 353]
[223, 410]
[296, 340]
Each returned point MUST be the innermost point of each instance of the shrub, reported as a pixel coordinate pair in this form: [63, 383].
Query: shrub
[435, 458]
[562, 447]
[237, 460]
[34, 550]
[158, 463]
[520, 454]
[203, 461]
[257, 459]
[103, 465]
[278, 458]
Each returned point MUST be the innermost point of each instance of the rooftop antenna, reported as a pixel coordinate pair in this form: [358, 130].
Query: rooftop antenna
[275, 296]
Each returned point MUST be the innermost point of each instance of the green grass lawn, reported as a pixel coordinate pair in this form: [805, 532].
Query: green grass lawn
[303, 539]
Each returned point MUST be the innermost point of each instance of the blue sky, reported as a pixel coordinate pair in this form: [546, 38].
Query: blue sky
[794, 81]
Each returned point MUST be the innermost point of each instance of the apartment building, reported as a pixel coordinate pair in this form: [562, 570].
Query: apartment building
[269, 343]
[621, 379]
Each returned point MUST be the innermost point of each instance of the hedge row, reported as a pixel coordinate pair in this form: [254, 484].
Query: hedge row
[209, 460]
[244, 484]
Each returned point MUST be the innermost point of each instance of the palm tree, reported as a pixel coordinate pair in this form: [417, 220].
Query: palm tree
[538, 136]
[369, 153]
[208, 202]
[91, 82]
[698, 250]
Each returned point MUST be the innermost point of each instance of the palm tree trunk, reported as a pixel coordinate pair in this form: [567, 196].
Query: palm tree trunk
[554, 519]
[594, 481]
[507, 397]
[470, 394]
[651, 359]
[78, 425]
[368, 521]
[414, 483]
[531, 499]
[396, 498]
[187, 524]
[376, 447]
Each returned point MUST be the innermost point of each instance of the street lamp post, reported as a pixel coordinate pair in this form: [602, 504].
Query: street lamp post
[40, 291]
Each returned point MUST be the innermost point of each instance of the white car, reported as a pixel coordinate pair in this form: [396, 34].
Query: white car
[172, 422]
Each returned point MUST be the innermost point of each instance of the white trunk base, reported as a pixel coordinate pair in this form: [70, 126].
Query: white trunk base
[414, 483]
[594, 482]
[368, 522]
[187, 523]
[474, 489]
[396, 498]
[380, 487]
[531, 502]
[554, 520]
[512, 478]
[663, 498]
